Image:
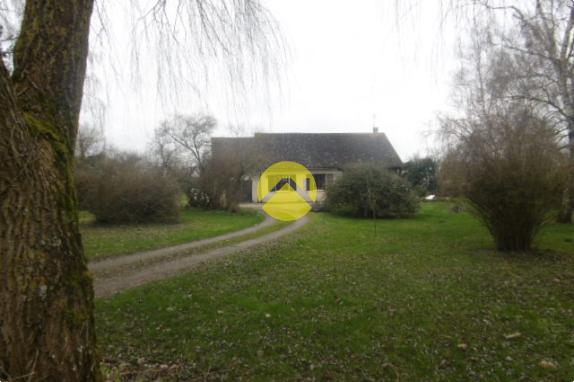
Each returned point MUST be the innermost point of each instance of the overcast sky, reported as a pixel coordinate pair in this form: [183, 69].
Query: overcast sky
[350, 64]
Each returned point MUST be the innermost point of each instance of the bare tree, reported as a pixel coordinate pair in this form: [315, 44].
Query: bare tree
[90, 141]
[509, 168]
[231, 161]
[47, 327]
[503, 155]
[541, 43]
[221, 179]
[192, 134]
[538, 39]
[165, 152]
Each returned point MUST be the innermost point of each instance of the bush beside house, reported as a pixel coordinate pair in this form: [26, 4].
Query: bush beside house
[421, 173]
[367, 190]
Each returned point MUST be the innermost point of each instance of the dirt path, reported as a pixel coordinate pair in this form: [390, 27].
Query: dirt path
[115, 263]
[112, 283]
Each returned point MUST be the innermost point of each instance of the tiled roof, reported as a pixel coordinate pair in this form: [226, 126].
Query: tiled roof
[315, 150]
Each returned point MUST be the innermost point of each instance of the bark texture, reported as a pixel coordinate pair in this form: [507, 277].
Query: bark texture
[46, 296]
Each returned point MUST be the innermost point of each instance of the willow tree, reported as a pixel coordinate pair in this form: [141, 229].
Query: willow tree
[46, 297]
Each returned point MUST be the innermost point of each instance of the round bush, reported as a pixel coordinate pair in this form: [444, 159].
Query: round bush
[368, 190]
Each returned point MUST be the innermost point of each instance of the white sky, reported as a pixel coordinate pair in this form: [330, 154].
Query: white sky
[349, 61]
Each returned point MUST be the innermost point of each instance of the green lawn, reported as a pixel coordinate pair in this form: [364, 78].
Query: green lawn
[102, 241]
[424, 299]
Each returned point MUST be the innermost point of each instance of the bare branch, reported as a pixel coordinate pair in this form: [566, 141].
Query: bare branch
[200, 33]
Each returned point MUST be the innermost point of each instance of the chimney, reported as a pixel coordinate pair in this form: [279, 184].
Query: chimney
[375, 130]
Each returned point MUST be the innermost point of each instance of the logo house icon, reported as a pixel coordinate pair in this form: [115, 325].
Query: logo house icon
[287, 190]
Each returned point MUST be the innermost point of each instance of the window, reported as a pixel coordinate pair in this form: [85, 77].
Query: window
[319, 181]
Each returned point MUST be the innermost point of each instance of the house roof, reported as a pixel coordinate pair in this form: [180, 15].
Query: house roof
[315, 150]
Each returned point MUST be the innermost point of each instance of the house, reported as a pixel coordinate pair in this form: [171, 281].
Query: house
[324, 154]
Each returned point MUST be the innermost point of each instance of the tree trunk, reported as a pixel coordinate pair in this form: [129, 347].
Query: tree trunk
[46, 297]
[565, 215]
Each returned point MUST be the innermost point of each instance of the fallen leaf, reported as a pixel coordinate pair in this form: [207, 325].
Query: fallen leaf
[513, 335]
[548, 364]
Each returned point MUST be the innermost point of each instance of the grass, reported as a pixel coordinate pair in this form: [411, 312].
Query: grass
[104, 241]
[424, 299]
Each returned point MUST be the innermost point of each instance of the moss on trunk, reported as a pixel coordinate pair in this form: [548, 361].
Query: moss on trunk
[46, 296]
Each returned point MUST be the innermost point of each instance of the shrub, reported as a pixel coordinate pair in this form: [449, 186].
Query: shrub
[197, 198]
[219, 184]
[368, 190]
[125, 190]
[223, 172]
[87, 170]
[510, 169]
[421, 173]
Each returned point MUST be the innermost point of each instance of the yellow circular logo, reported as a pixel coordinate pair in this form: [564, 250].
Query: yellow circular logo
[287, 190]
